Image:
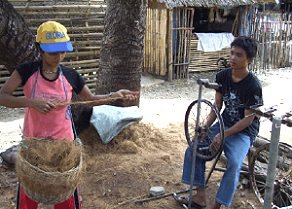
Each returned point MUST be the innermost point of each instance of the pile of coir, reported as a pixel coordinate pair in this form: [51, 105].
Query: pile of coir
[51, 155]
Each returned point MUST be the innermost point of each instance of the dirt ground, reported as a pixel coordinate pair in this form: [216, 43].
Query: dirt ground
[146, 154]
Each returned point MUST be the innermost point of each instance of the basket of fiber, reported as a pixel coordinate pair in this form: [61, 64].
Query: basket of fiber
[48, 170]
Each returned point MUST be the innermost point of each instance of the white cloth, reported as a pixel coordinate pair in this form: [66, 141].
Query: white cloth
[109, 120]
[211, 42]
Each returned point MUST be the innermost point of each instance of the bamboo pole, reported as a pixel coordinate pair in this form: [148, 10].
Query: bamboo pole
[170, 44]
[146, 40]
[82, 54]
[290, 34]
[77, 29]
[163, 31]
[285, 39]
[175, 43]
[189, 40]
[178, 69]
[157, 24]
[51, 1]
[153, 20]
[86, 42]
[151, 40]
[94, 13]
[88, 71]
[263, 42]
[65, 20]
[159, 40]
[88, 35]
[184, 39]
[60, 7]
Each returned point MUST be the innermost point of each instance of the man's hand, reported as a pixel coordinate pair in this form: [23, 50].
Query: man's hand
[216, 144]
[126, 94]
[202, 131]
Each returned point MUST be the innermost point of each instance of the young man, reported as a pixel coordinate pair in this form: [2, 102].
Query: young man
[240, 89]
[46, 83]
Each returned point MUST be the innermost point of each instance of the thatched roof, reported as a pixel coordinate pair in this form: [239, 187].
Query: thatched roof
[210, 3]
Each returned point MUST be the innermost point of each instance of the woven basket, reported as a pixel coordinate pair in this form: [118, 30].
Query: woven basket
[46, 187]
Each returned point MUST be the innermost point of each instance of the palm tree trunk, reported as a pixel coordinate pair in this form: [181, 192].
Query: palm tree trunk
[16, 39]
[121, 61]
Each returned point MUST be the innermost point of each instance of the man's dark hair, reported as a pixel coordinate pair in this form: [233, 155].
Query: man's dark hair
[249, 45]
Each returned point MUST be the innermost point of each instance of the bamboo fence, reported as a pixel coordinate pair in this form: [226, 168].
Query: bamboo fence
[274, 34]
[156, 42]
[182, 33]
[84, 20]
[167, 41]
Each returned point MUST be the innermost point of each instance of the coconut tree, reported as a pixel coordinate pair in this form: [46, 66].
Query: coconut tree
[123, 43]
[16, 39]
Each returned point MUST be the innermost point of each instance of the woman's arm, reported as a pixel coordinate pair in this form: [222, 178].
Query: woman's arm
[86, 95]
[6, 97]
[8, 100]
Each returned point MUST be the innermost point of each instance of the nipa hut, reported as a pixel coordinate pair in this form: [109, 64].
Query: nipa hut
[174, 27]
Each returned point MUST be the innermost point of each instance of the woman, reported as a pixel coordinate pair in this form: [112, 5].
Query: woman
[46, 85]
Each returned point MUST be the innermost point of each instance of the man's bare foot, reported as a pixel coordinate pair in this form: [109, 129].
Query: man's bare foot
[200, 197]
[215, 205]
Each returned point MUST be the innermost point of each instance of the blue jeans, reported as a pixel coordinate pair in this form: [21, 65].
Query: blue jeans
[235, 148]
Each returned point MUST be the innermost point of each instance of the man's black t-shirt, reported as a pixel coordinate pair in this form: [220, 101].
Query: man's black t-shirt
[238, 96]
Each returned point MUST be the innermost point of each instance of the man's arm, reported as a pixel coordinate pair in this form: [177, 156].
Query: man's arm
[218, 104]
[236, 128]
[240, 125]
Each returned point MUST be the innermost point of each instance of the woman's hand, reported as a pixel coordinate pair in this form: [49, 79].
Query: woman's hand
[42, 105]
[126, 94]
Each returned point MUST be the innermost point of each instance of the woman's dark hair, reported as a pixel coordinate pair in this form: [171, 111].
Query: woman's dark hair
[39, 48]
[249, 45]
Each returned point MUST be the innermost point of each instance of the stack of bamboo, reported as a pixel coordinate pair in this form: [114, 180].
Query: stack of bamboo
[84, 20]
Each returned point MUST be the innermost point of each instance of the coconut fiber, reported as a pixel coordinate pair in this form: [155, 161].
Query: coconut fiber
[48, 170]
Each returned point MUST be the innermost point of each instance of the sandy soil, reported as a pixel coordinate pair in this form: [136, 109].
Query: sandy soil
[146, 154]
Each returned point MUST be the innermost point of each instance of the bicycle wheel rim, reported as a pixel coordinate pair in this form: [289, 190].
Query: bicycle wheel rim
[282, 189]
[192, 109]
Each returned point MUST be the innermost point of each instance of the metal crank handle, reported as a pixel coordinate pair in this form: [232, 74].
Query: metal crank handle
[203, 148]
[207, 84]
[175, 196]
